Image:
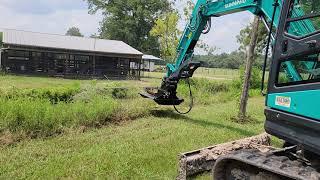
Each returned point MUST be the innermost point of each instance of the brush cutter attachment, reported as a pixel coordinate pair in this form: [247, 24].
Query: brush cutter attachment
[167, 93]
[161, 97]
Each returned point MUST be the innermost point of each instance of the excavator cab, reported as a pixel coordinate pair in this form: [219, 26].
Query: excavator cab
[292, 111]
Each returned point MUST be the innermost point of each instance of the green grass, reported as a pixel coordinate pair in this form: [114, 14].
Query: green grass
[209, 73]
[217, 74]
[26, 82]
[8, 81]
[143, 149]
[60, 139]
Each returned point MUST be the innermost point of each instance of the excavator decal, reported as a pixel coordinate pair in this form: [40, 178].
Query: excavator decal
[234, 3]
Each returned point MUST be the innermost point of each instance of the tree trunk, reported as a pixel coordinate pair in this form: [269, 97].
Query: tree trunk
[250, 52]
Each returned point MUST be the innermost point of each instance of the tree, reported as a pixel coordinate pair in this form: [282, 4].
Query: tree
[74, 31]
[310, 6]
[130, 21]
[244, 38]
[250, 59]
[166, 29]
[187, 10]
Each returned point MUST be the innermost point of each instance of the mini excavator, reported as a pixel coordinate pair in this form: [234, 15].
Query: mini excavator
[293, 94]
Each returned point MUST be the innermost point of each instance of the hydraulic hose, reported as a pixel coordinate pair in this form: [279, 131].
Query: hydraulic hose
[191, 101]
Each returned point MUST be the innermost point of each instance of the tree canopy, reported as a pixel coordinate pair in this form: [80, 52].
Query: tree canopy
[166, 29]
[131, 21]
[310, 6]
[244, 38]
[74, 31]
[234, 60]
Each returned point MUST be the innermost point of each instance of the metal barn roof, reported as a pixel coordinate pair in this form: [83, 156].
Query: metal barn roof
[150, 57]
[25, 38]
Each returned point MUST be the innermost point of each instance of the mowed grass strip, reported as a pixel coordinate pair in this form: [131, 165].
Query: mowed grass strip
[143, 149]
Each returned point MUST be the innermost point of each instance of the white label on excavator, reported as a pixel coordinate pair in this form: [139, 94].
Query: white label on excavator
[232, 3]
[283, 101]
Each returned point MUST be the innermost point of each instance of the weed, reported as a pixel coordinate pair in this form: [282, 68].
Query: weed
[120, 93]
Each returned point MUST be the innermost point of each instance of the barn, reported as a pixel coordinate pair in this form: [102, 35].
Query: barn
[68, 56]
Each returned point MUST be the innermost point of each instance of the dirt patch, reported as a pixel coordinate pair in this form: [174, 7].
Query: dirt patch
[7, 138]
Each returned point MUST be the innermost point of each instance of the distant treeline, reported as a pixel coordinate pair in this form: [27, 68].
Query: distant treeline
[233, 60]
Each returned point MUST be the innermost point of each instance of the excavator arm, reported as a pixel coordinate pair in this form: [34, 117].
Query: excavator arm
[201, 20]
[200, 23]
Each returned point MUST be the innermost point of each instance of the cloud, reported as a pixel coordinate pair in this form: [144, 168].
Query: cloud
[225, 29]
[41, 6]
[57, 16]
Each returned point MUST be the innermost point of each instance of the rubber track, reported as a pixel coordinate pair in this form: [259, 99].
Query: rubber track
[280, 165]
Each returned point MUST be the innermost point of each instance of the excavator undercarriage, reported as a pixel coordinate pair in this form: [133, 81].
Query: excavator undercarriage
[250, 159]
[256, 165]
[203, 160]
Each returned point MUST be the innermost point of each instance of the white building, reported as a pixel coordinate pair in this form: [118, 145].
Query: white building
[148, 62]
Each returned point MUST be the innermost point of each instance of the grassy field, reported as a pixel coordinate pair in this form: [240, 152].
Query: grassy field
[143, 144]
[209, 73]
[142, 149]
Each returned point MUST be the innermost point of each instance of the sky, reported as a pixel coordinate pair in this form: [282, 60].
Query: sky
[56, 16]
[48, 16]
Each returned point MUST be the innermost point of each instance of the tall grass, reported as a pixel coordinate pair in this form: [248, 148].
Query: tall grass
[46, 112]
[40, 117]
[54, 95]
[206, 91]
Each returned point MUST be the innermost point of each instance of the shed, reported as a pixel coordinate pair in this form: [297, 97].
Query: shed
[149, 62]
[58, 55]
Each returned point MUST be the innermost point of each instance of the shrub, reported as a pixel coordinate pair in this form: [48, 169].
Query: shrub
[2, 73]
[255, 80]
[120, 93]
[54, 95]
[87, 92]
